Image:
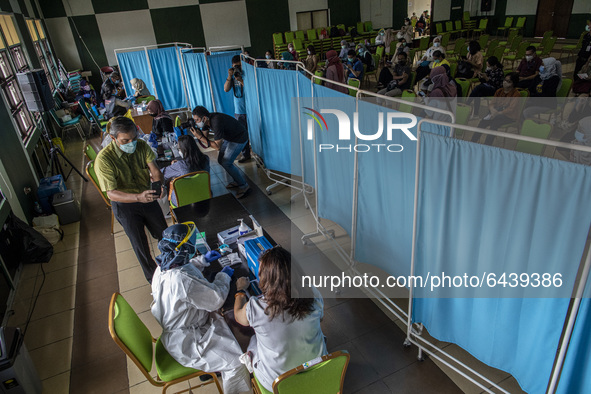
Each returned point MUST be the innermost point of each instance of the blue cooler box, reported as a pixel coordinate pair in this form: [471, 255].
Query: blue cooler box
[47, 188]
[254, 248]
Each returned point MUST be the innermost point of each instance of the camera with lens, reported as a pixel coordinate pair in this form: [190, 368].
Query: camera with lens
[188, 124]
[237, 71]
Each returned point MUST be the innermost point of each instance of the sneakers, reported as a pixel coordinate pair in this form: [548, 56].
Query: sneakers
[243, 191]
[231, 185]
[245, 159]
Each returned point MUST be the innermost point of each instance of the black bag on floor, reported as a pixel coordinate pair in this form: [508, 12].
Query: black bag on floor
[32, 247]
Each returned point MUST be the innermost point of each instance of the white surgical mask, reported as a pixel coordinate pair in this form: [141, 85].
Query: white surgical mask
[129, 147]
[309, 53]
[579, 136]
[343, 46]
[201, 124]
[268, 56]
[436, 44]
[181, 154]
[529, 58]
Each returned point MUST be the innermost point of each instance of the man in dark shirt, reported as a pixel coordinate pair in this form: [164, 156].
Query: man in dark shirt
[401, 77]
[229, 139]
[584, 52]
[354, 66]
[529, 68]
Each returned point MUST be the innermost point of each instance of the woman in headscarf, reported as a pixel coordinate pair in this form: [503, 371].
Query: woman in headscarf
[406, 31]
[287, 56]
[139, 88]
[162, 122]
[426, 60]
[335, 71]
[185, 305]
[388, 39]
[443, 96]
[291, 49]
[286, 323]
[364, 55]
[113, 105]
[543, 90]
[381, 37]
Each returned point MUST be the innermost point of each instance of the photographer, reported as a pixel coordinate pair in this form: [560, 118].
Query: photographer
[235, 83]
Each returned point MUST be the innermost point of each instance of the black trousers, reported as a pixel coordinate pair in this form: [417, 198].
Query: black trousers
[134, 217]
[492, 124]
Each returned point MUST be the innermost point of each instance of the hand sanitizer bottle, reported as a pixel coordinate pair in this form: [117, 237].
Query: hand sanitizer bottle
[243, 229]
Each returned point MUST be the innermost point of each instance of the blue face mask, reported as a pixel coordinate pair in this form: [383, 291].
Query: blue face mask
[541, 69]
[129, 147]
[579, 136]
[587, 28]
[350, 59]
[268, 56]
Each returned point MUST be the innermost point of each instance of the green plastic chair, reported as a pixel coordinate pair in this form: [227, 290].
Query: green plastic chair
[483, 40]
[289, 36]
[449, 27]
[547, 48]
[300, 35]
[408, 95]
[368, 26]
[510, 38]
[459, 28]
[89, 152]
[69, 124]
[564, 90]
[424, 44]
[88, 115]
[92, 175]
[492, 46]
[190, 188]
[360, 27]
[145, 99]
[453, 67]
[533, 129]
[462, 115]
[318, 74]
[514, 45]
[572, 48]
[499, 52]
[324, 375]
[465, 84]
[520, 25]
[457, 46]
[355, 83]
[278, 39]
[439, 28]
[374, 72]
[481, 27]
[311, 34]
[508, 23]
[134, 338]
[518, 55]
[444, 39]
[545, 37]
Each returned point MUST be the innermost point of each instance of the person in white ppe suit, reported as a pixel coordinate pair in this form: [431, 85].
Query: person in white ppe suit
[185, 304]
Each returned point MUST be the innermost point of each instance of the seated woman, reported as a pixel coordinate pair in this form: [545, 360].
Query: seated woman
[473, 61]
[439, 60]
[335, 71]
[114, 106]
[162, 122]
[139, 88]
[443, 96]
[542, 93]
[287, 330]
[185, 305]
[192, 159]
[287, 66]
[344, 50]
[406, 31]
[381, 37]
[364, 55]
[490, 81]
[311, 61]
[426, 61]
[503, 108]
[269, 57]
[291, 49]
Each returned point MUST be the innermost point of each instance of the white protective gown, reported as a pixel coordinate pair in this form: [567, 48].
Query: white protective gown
[193, 334]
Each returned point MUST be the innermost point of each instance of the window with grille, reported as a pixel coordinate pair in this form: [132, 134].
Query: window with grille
[43, 51]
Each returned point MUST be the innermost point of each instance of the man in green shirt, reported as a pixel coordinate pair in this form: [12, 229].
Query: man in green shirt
[124, 169]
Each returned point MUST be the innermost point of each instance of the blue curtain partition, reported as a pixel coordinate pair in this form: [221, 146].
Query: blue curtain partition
[167, 77]
[197, 80]
[252, 109]
[219, 63]
[134, 65]
[484, 209]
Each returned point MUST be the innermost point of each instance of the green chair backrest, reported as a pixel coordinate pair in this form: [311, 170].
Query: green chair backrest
[580, 43]
[453, 67]
[466, 15]
[177, 121]
[439, 27]
[498, 53]
[132, 332]
[324, 378]
[462, 114]
[298, 44]
[192, 187]
[533, 129]
[145, 99]
[368, 26]
[515, 43]
[413, 76]
[341, 27]
[424, 43]
[318, 74]
[465, 84]
[521, 50]
[463, 50]
[546, 36]
[90, 152]
[508, 21]
[92, 174]
[278, 38]
[355, 83]
[483, 40]
[289, 36]
[520, 22]
[449, 26]
[564, 90]
[483, 23]
[494, 44]
[408, 95]
[459, 44]
[444, 39]
[312, 35]
[300, 35]
[548, 46]
[458, 25]
[360, 27]
[376, 60]
[380, 52]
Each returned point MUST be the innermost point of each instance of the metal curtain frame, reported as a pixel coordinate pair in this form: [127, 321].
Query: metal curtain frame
[145, 48]
[185, 74]
[413, 337]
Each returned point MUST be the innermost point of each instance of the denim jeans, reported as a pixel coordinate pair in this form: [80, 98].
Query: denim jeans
[242, 119]
[229, 151]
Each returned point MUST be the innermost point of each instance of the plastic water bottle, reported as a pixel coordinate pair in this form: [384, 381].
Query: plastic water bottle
[243, 229]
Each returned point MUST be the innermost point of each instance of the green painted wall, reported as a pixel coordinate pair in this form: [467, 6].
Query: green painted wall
[88, 29]
[347, 12]
[104, 6]
[399, 12]
[187, 26]
[272, 18]
[577, 25]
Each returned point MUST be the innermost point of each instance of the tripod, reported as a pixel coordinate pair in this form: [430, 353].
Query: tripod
[54, 153]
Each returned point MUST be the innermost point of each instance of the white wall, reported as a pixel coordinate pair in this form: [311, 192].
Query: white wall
[418, 6]
[522, 7]
[379, 12]
[473, 6]
[301, 6]
[234, 30]
[441, 10]
[62, 39]
[582, 7]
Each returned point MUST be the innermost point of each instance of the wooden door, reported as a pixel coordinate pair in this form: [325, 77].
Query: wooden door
[553, 15]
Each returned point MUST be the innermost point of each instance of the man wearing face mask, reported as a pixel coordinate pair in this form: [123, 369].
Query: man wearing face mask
[582, 137]
[354, 66]
[400, 77]
[585, 51]
[235, 84]
[115, 80]
[529, 68]
[229, 138]
[124, 169]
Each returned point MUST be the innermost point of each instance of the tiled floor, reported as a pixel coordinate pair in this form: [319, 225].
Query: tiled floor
[68, 337]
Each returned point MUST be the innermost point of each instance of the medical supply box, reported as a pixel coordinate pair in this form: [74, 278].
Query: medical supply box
[230, 235]
[47, 188]
[253, 249]
[66, 207]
